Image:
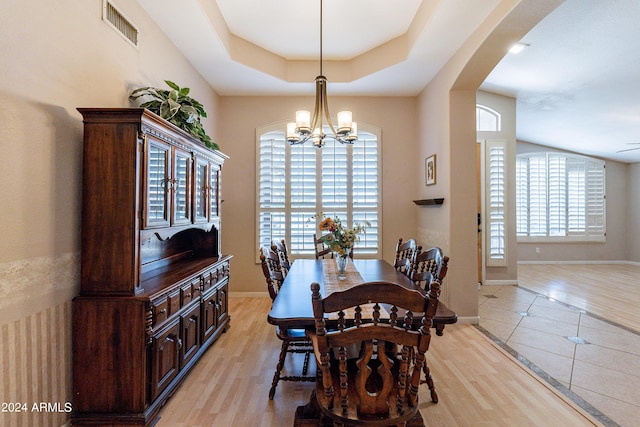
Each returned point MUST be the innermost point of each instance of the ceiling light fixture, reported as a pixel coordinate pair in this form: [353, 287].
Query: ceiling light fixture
[305, 128]
[518, 47]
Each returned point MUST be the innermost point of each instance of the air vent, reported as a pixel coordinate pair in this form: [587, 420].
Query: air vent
[114, 17]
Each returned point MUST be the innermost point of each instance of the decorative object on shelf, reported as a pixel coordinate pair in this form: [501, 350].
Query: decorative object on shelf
[176, 107]
[429, 202]
[430, 170]
[339, 238]
[306, 128]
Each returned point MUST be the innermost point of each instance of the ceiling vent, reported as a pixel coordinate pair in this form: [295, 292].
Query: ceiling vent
[116, 20]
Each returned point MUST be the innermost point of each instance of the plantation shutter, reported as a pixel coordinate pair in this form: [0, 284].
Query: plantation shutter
[565, 196]
[496, 204]
[272, 188]
[296, 182]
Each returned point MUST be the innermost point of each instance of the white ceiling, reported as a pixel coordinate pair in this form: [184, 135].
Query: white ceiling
[577, 85]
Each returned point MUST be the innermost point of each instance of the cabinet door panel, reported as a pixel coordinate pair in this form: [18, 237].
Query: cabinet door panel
[181, 186]
[157, 164]
[209, 315]
[190, 334]
[165, 357]
[223, 303]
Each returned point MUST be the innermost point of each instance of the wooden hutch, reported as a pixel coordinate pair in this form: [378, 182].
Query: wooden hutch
[154, 284]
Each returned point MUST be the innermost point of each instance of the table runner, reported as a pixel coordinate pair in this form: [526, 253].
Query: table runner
[333, 284]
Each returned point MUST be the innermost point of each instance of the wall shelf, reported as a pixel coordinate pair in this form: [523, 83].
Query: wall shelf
[429, 202]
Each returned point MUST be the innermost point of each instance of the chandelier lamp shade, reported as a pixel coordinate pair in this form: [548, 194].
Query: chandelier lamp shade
[310, 128]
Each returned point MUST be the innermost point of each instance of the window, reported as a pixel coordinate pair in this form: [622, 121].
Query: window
[487, 119]
[297, 181]
[560, 197]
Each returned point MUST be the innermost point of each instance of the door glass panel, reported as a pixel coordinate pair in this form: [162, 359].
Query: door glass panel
[214, 193]
[157, 179]
[201, 190]
[181, 187]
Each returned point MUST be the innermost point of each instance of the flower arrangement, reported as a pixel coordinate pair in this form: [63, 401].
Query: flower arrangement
[337, 237]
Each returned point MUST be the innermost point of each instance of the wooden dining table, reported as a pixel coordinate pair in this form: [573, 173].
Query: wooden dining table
[292, 307]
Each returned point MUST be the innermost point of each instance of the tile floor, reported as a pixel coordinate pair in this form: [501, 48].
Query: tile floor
[592, 361]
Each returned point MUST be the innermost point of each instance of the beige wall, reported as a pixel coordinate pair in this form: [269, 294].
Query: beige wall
[56, 56]
[446, 117]
[239, 118]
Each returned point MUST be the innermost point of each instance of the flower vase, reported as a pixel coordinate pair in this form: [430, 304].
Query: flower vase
[341, 264]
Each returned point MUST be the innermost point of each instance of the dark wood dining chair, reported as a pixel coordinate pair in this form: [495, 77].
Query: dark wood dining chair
[283, 254]
[293, 340]
[378, 386]
[321, 250]
[405, 253]
[428, 266]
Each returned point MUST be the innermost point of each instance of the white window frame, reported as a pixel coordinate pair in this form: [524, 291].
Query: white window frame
[370, 245]
[592, 192]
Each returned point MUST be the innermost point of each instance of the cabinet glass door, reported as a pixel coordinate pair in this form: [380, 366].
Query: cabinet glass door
[213, 193]
[157, 200]
[181, 187]
[200, 189]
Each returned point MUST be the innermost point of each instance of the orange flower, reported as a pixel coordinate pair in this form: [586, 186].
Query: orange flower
[327, 224]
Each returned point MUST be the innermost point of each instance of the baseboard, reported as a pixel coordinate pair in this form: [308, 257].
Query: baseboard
[582, 262]
[510, 282]
[469, 320]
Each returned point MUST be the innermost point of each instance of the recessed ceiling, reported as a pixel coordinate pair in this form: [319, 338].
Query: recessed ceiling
[576, 85]
[271, 47]
[291, 28]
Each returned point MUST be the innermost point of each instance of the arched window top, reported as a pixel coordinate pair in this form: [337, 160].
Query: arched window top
[487, 119]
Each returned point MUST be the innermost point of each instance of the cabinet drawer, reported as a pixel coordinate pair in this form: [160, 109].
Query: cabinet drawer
[160, 310]
[190, 292]
[173, 301]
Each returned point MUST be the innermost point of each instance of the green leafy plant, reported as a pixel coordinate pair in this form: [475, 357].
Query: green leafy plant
[177, 107]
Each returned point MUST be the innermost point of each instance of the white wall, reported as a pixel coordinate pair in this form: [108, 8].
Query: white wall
[55, 57]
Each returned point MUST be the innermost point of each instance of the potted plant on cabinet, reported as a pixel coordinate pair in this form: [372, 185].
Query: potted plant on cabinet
[177, 107]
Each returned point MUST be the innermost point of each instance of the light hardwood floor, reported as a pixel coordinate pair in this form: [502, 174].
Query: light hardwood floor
[477, 382]
[609, 291]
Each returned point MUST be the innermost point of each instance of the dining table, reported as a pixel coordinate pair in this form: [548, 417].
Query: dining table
[292, 308]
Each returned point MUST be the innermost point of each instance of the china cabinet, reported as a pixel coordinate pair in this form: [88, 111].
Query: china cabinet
[154, 283]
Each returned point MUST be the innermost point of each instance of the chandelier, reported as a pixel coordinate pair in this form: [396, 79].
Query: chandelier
[307, 128]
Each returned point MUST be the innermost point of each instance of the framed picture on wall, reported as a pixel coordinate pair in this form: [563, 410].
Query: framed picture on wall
[430, 170]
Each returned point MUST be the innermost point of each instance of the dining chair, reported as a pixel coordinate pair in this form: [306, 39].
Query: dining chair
[321, 250]
[293, 340]
[377, 384]
[428, 266]
[405, 253]
[283, 254]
